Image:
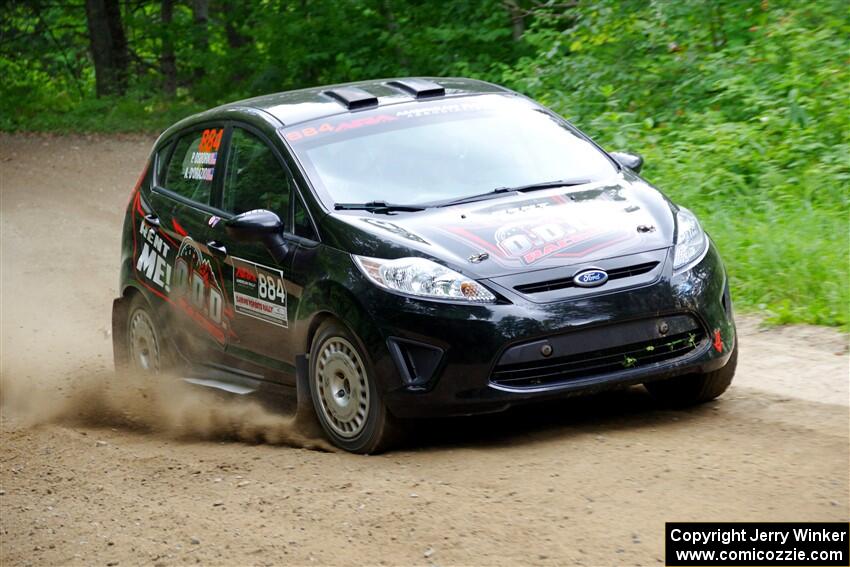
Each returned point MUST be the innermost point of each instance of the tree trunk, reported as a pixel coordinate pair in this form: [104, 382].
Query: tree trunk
[233, 20]
[394, 29]
[120, 48]
[201, 15]
[517, 16]
[167, 60]
[108, 46]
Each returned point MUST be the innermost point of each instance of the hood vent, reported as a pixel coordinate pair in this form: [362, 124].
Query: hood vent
[352, 97]
[419, 88]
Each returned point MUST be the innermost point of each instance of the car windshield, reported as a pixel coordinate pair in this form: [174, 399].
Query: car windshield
[438, 151]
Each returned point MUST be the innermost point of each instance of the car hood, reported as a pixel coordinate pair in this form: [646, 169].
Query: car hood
[517, 233]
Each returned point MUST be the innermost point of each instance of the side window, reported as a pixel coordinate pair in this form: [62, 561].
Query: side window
[193, 163]
[303, 227]
[255, 178]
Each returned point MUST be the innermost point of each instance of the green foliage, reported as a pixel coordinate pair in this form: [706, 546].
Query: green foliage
[136, 112]
[741, 111]
[740, 108]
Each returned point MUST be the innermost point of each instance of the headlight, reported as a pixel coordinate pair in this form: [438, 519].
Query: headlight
[690, 239]
[423, 278]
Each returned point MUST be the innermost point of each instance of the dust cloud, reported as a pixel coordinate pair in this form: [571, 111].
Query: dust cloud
[159, 404]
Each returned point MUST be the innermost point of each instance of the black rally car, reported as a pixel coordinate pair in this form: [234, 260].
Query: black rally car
[413, 247]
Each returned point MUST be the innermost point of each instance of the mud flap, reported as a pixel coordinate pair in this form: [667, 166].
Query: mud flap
[120, 356]
[305, 415]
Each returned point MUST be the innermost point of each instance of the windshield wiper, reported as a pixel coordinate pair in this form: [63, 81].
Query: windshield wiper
[499, 191]
[549, 185]
[377, 207]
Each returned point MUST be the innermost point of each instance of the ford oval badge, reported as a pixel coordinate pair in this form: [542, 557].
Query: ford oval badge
[590, 278]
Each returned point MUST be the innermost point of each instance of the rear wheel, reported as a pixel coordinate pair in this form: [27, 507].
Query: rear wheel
[344, 393]
[145, 346]
[692, 389]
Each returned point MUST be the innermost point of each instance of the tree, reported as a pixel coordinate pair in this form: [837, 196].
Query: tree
[167, 59]
[201, 15]
[108, 46]
[517, 16]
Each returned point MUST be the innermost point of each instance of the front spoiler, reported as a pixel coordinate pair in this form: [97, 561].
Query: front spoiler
[495, 398]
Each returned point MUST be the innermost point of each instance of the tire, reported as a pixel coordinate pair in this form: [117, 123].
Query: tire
[147, 350]
[345, 396]
[693, 389]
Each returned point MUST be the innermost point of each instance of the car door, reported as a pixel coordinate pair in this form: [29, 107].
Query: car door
[258, 286]
[184, 187]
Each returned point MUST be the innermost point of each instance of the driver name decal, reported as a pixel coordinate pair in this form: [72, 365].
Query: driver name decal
[202, 162]
[259, 292]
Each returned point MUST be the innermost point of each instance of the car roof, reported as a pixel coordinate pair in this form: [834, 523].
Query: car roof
[318, 102]
[292, 107]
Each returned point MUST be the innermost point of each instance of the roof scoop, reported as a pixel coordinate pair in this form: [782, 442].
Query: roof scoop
[419, 88]
[352, 97]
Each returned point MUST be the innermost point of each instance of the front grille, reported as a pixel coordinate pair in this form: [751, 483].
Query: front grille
[597, 362]
[563, 283]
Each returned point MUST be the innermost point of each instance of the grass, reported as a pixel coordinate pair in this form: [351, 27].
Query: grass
[106, 115]
[783, 233]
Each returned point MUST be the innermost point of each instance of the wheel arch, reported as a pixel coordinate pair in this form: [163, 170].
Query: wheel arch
[331, 300]
[120, 312]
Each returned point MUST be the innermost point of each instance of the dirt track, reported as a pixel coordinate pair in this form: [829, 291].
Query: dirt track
[585, 482]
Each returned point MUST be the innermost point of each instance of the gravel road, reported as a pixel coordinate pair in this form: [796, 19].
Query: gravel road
[181, 478]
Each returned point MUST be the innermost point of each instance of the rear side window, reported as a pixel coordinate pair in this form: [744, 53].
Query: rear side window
[255, 179]
[192, 167]
[162, 163]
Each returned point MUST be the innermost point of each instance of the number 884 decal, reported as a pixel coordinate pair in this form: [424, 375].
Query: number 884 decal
[259, 292]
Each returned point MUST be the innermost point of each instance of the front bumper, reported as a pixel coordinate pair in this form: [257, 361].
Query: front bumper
[476, 344]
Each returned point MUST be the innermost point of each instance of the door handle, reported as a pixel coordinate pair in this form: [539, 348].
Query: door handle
[152, 220]
[217, 248]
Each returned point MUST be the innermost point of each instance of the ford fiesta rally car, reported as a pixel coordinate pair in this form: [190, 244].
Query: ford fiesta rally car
[413, 247]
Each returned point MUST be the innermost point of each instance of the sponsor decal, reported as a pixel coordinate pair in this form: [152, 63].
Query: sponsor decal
[571, 225]
[153, 261]
[328, 128]
[181, 275]
[259, 291]
[197, 290]
[447, 108]
[335, 127]
[532, 242]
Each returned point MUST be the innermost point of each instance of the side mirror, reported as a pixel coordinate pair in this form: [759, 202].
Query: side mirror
[259, 225]
[253, 226]
[627, 160]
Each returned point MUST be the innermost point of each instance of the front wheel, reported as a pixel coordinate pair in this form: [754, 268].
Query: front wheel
[345, 395]
[693, 389]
